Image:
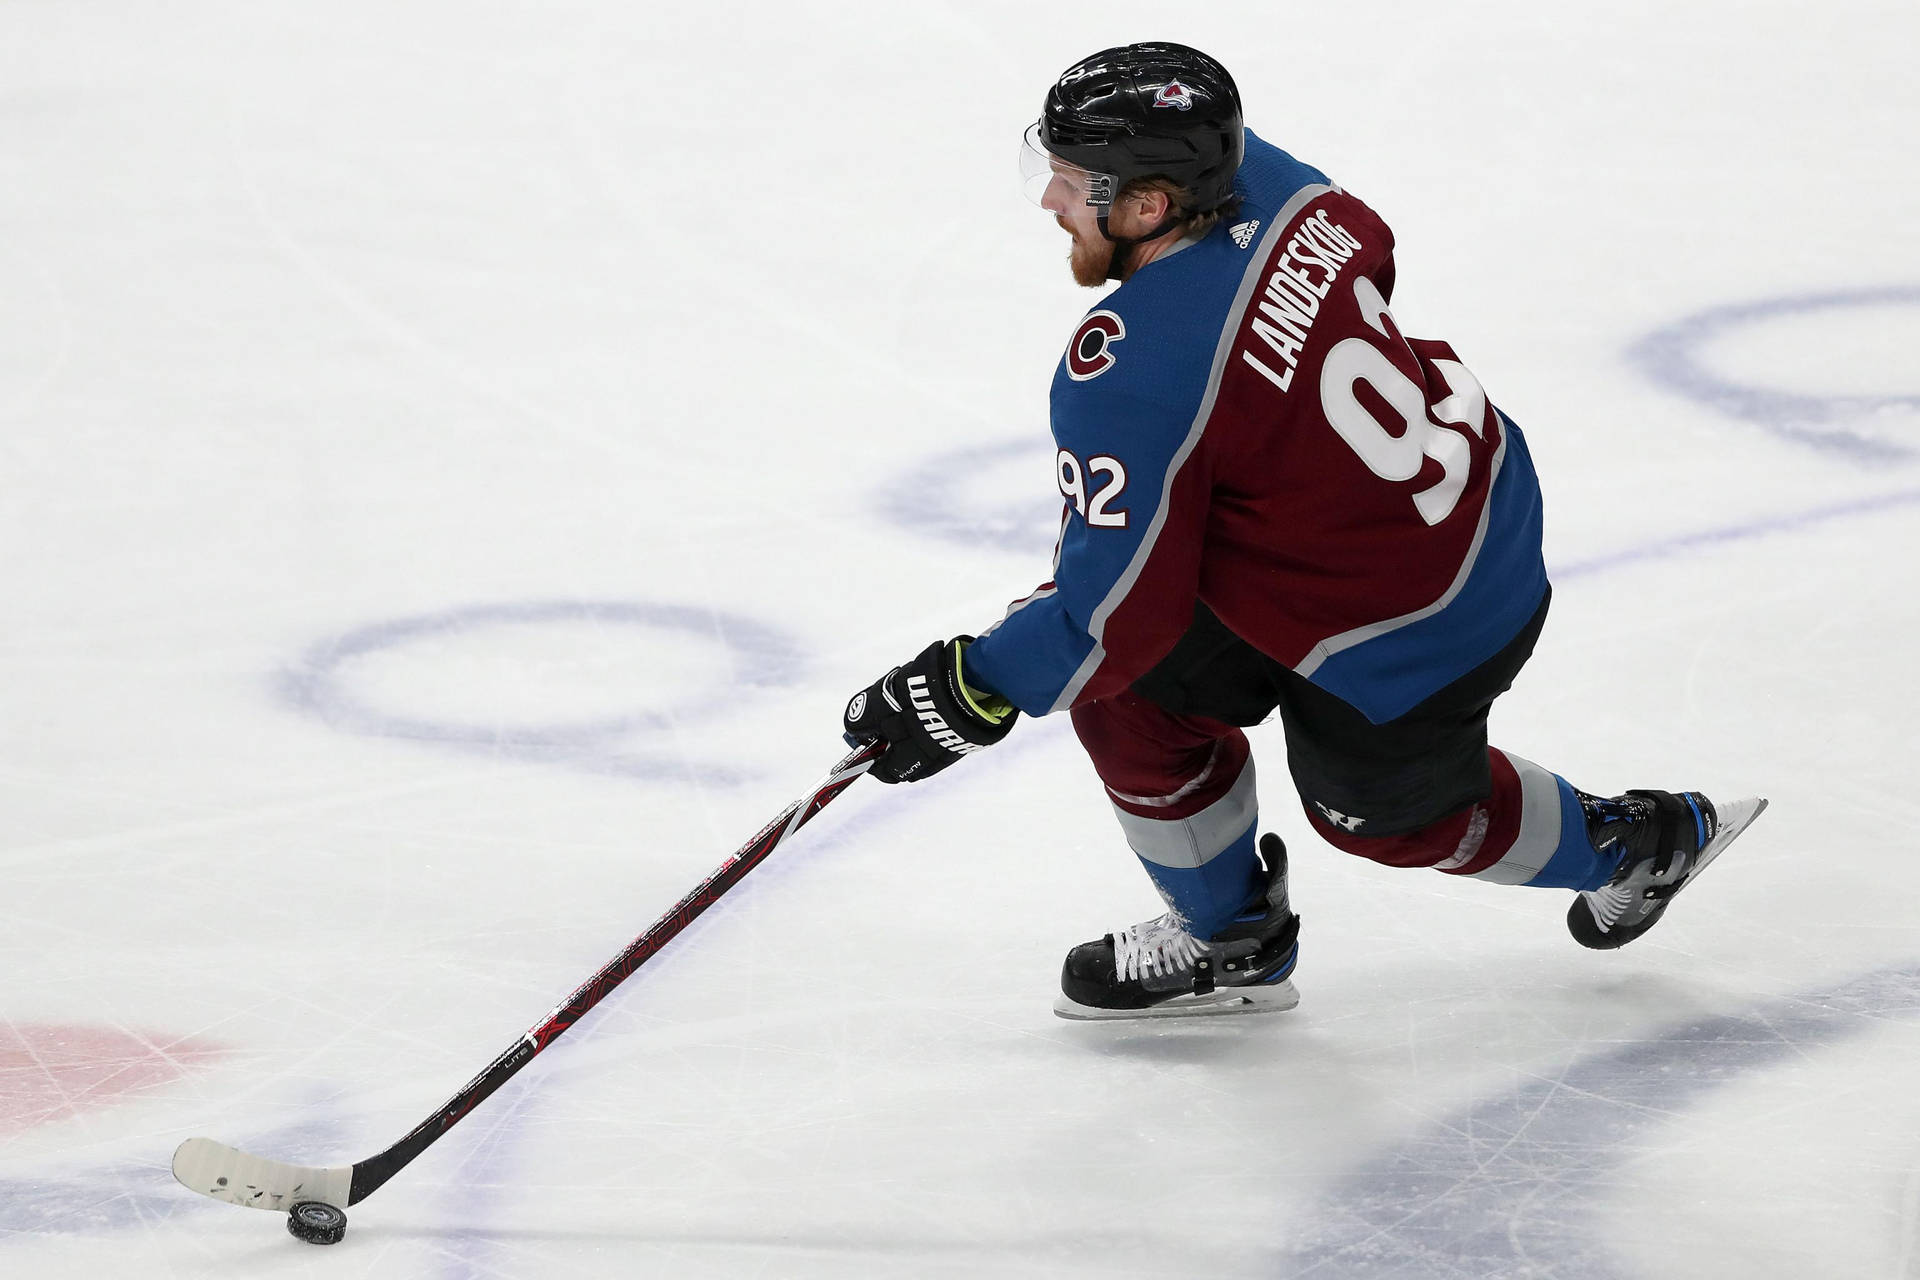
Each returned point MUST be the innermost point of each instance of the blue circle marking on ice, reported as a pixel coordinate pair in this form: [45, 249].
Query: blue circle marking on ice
[751, 655]
[1510, 1182]
[1676, 357]
[1491, 1191]
[1006, 514]
[136, 1194]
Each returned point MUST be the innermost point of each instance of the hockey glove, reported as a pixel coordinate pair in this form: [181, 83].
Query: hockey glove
[926, 715]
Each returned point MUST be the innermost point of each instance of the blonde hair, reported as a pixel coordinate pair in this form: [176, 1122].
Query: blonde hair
[1194, 224]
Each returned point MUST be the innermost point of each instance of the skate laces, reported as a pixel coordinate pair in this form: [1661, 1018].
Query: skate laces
[1159, 946]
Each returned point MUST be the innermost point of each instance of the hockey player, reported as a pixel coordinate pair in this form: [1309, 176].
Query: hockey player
[1276, 501]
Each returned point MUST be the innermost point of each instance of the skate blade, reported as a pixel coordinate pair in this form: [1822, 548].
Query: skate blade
[1268, 997]
[1735, 817]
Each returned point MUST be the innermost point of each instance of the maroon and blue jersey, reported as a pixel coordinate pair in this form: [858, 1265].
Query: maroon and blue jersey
[1242, 422]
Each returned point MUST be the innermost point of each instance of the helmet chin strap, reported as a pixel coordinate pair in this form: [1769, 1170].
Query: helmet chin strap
[1117, 266]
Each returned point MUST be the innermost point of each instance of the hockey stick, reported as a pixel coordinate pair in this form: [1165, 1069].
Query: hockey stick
[217, 1170]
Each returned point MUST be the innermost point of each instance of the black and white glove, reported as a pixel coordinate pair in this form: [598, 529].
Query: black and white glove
[926, 715]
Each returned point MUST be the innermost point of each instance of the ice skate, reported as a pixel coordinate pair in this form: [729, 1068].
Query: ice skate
[1159, 970]
[1668, 840]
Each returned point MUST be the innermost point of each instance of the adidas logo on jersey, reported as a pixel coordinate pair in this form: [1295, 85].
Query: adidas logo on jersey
[1242, 232]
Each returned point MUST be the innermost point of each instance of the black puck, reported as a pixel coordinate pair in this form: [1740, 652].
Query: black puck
[317, 1222]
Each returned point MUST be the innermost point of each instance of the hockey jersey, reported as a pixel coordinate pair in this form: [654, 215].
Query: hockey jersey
[1242, 422]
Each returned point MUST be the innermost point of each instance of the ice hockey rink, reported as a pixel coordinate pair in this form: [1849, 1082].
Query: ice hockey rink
[458, 459]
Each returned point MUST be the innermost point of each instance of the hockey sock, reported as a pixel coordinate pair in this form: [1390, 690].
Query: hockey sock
[1530, 830]
[1549, 847]
[1211, 893]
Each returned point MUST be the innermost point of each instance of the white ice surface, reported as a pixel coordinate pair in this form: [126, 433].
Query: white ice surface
[457, 459]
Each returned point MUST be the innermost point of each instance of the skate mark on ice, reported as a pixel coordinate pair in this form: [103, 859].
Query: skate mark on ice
[627, 743]
[132, 1194]
[1792, 522]
[1496, 1191]
[479, 1187]
[961, 496]
[50, 1073]
[1837, 423]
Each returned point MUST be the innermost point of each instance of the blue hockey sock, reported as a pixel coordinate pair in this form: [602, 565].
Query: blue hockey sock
[1575, 863]
[1551, 849]
[1209, 895]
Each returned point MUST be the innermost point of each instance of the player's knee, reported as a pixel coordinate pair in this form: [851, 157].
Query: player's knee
[1428, 845]
[1142, 754]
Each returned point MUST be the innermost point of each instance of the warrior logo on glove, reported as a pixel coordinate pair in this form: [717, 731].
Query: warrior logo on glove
[926, 714]
[931, 720]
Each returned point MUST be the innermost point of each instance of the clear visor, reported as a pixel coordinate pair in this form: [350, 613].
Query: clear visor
[1047, 179]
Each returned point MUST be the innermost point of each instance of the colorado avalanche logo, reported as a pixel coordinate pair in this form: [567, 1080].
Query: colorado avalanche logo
[1174, 94]
[1088, 355]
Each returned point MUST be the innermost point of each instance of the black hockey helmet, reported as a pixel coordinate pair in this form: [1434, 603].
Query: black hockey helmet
[1146, 110]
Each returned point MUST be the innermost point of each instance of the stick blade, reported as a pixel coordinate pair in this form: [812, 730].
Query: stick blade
[218, 1170]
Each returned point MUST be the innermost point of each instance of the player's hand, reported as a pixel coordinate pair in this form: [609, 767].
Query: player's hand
[926, 714]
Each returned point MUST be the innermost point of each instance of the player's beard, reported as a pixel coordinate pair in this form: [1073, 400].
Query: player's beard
[1089, 259]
